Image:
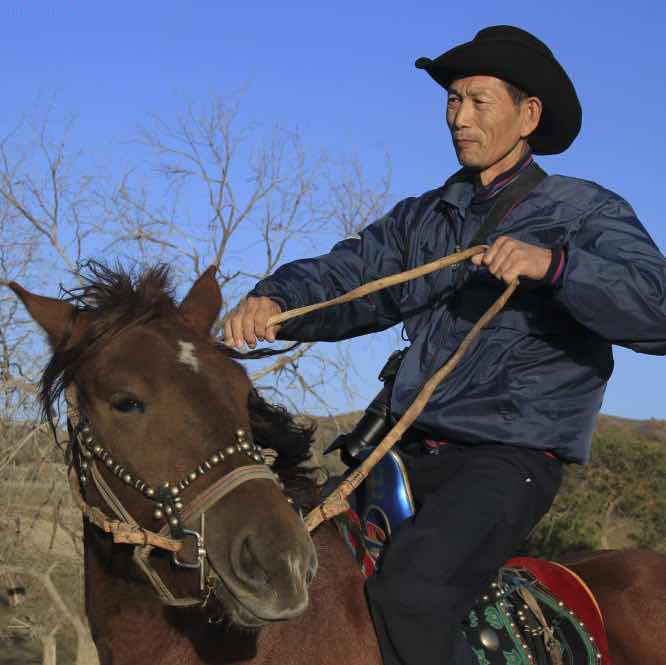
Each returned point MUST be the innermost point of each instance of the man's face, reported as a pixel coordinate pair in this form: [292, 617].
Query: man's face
[484, 121]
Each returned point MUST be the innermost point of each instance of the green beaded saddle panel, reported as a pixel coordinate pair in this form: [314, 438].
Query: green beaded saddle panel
[502, 630]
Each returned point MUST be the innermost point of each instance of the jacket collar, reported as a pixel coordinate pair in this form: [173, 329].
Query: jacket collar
[459, 190]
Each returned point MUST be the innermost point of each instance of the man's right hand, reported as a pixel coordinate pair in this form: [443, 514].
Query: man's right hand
[247, 322]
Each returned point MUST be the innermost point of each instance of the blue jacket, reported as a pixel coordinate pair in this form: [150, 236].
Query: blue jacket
[536, 375]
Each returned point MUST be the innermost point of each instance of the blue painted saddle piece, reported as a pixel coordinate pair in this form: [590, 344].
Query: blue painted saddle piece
[385, 499]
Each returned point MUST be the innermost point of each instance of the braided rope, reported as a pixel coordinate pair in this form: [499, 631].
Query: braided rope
[379, 284]
[336, 502]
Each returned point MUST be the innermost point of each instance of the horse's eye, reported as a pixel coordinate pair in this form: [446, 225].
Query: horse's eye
[126, 403]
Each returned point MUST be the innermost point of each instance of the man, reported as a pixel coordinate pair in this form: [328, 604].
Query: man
[526, 396]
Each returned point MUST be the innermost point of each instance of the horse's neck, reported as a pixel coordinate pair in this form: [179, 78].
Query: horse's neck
[129, 622]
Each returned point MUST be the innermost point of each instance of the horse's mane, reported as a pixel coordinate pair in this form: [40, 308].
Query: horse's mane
[274, 427]
[119, 298]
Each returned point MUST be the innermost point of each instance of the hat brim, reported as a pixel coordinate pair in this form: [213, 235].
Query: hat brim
[527, 68]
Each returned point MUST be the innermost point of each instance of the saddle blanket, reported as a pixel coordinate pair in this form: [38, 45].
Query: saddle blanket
[537, 612]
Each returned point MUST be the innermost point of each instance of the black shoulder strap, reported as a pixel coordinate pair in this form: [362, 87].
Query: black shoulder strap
[507, 200]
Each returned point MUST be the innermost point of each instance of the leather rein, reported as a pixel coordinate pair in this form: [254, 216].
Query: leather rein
[336, 502]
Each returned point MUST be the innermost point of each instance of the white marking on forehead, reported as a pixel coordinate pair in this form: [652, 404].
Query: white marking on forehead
[186, 355]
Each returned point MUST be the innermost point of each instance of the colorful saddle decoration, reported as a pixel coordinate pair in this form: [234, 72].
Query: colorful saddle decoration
[520, 621]
[537, 612]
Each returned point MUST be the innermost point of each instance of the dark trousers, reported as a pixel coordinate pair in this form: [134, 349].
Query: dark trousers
[475, 506]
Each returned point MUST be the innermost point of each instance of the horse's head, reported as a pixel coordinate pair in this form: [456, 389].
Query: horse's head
[159, 402]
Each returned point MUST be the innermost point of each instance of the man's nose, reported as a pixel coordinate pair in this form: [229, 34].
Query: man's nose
[462, 115]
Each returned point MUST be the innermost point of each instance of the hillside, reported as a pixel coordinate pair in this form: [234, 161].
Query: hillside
[618, 500]
[652, 430]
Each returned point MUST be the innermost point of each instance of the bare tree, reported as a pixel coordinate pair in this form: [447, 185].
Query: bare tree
[208, 189]
[265, 202]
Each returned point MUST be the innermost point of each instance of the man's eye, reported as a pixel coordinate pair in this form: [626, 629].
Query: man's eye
[127, 403]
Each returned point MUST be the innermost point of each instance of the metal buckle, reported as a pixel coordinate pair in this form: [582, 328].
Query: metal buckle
[201, 551]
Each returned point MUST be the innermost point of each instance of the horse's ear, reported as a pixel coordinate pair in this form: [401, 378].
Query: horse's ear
[55, 317]
[201, 306]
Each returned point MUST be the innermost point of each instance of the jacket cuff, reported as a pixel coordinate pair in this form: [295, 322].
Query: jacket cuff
[556, 267]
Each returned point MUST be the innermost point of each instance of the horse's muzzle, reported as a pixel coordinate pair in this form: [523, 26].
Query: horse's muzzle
[268, 581]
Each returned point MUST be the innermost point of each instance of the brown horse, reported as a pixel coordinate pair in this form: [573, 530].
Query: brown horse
[156, 397]
[159, 400]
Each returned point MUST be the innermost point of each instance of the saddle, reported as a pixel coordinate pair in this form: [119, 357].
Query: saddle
[536, 612]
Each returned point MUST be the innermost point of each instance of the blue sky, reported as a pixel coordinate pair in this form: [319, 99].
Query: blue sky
[343, 74]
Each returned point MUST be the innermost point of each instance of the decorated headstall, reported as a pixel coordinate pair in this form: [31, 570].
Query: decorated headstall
[167, 496]
[170, 512]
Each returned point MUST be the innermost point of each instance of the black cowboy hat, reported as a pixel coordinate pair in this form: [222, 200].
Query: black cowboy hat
[516, 56]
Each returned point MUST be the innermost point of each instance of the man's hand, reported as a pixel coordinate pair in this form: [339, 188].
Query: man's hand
[247, 322]
[508, 259]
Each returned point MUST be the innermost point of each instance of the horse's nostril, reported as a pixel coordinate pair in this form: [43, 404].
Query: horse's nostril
[247, 566]
[267, 569]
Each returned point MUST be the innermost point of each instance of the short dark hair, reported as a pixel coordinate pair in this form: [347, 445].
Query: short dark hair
[517, 94]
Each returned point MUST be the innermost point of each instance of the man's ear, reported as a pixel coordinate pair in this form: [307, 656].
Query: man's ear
[56, 317]
[201, 306]
[533, 111]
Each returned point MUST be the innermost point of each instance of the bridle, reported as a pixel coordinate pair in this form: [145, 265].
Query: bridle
[88, 455]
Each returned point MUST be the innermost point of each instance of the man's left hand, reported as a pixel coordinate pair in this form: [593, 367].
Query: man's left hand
[508, 259]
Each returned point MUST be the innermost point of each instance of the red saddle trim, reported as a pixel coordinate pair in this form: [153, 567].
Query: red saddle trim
[566, 586]
[349, 527]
